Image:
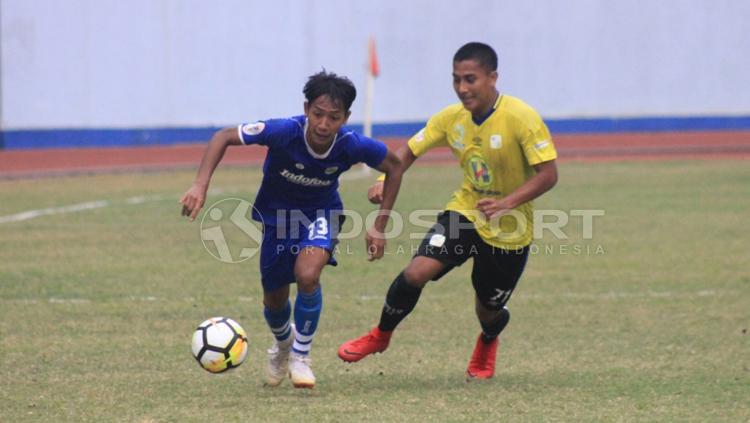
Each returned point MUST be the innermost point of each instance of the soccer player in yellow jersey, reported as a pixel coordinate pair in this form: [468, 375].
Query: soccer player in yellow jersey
[508, 159]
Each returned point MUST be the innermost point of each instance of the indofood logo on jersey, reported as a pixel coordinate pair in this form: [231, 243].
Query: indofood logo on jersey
[478, 172]
[304, 180]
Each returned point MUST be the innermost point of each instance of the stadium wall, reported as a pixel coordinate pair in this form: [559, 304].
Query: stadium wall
[107, 72]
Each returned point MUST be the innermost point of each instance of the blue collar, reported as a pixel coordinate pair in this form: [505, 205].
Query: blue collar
[483, 118]
[492, 110]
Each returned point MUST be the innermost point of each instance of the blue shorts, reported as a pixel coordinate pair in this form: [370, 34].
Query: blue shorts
[282, 244]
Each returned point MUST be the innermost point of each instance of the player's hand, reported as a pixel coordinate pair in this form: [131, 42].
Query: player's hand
[492, 208]
[375, 241]
[192, 201]
[375, 193]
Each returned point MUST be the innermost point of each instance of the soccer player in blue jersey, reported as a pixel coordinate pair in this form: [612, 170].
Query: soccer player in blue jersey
[299, 205]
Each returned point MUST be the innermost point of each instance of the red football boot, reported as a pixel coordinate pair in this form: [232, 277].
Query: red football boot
[356, 349]
[482, 364]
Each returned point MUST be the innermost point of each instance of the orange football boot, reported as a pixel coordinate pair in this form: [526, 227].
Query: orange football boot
[356, 349]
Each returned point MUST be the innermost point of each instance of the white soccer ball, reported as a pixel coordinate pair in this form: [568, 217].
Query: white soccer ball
[219, 344]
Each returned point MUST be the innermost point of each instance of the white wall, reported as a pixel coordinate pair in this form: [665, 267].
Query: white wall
[144, 63]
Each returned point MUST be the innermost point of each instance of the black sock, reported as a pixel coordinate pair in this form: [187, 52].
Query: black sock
[490, 331]
[399, 302]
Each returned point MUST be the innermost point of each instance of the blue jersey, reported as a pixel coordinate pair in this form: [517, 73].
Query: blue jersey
[297, 178]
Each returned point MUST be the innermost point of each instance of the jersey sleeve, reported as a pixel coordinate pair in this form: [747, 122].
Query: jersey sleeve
[371, 152]
[270, 133]
[433, 135]
[536, 140]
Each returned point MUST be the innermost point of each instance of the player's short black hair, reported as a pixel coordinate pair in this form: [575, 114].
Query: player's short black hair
[339, 88]
[482, 53]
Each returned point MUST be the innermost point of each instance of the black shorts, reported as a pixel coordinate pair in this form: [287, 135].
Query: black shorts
[453, 239]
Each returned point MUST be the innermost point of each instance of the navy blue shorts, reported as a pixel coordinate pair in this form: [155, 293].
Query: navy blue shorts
[282, 244]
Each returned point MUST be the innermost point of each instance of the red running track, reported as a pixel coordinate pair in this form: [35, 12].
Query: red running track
[724, 145]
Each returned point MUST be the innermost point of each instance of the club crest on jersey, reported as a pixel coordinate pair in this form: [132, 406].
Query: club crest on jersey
[331, 170]
[478, 172]
[253, 128]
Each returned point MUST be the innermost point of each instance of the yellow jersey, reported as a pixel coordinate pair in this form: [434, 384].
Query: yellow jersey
[496, 157]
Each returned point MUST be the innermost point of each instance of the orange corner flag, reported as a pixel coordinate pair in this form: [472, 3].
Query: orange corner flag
[374, 67]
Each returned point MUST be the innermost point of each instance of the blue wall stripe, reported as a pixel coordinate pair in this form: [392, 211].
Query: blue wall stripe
[67, 138]
[61, 138]
[648, 124]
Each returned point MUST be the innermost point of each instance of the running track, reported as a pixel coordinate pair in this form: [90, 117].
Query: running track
[19, 164]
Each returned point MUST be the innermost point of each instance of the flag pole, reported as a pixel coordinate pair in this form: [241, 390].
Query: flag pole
[372, 71]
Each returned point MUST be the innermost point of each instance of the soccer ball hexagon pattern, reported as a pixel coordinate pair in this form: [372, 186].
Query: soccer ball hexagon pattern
[219, 344]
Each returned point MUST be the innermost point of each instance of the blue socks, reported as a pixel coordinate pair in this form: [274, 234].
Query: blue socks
[306, 315]
[278, 321]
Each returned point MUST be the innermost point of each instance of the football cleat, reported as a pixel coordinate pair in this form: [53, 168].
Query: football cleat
[300, 371]
[482, 363]
[278, 360]
[356, 349]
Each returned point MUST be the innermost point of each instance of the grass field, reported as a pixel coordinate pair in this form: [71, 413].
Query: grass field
[646, 321]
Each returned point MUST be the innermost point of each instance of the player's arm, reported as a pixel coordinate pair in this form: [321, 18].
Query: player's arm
[544, 179]
[393, 169]
[192, 201]
[376, 192]
[431, 136]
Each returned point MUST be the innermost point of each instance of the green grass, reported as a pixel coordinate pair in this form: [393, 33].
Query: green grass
[646, 321]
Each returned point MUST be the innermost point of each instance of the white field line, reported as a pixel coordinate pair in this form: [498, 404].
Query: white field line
[31, 214]
[73, 208]
[143, 199]
[54, 300]
[362, 172]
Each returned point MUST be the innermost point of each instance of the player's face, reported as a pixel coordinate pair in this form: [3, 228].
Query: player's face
[324, 118]
[474, 86]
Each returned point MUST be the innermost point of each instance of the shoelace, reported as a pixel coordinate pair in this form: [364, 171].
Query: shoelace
[302, 359]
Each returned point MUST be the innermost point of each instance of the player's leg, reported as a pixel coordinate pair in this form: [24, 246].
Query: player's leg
[315, 252]
[307, 309]
[276, 262]
[438, 253]
[309, 303]
[495, 274]
[277, 310]
[405, 290]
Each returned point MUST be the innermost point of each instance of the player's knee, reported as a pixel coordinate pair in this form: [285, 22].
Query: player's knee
[416, 277]
[307, 278]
